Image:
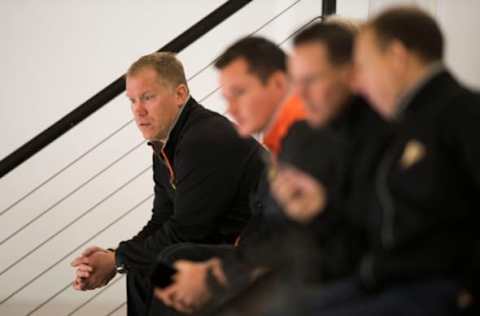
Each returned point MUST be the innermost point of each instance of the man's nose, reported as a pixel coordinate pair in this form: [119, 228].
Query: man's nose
[139, 109]
[232, 107]
[358, 81]
[301, 90]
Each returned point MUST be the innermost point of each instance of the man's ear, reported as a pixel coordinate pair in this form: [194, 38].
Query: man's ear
[398, 54]
[181, 94]
[279, 80]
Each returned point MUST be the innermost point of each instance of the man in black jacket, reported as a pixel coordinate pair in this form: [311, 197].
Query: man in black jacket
[414, 194]
[425, 209]
[203, 174]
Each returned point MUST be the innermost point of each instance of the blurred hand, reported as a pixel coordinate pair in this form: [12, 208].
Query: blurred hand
[94, 268]
[465, 299]
[301, 195]
[189, 292]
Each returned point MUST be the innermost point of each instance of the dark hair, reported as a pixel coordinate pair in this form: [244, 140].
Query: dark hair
[413, 27]
[337, 38]
[262, 56]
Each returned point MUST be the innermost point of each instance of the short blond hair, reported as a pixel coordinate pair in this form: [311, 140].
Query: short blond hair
[167, 66]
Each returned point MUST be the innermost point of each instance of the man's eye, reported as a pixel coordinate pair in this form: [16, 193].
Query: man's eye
[239, 93]
[311, 79]
[148, 97]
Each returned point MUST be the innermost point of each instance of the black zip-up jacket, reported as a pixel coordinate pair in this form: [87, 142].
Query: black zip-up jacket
[328, 248]
[330, 155]
[421, 218]
[206, 198]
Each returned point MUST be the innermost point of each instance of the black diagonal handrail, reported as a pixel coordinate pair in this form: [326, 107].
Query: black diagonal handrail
[118, 130]
[51, 237]
[318, 18]
[114, 89]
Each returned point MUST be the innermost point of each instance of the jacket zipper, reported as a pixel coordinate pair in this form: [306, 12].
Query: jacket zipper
[170, 169]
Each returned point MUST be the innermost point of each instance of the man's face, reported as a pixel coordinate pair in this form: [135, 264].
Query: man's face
[155, 104]
[321, 85]
[377, 76]
[250, 102]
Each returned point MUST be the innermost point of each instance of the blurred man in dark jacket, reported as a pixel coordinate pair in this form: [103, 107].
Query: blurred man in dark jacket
[413, 193]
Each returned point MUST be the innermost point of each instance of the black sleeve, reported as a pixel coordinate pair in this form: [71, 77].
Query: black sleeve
[462, 132]
[207, 172]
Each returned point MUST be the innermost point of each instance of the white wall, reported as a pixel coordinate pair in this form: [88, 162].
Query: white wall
[458, 20]
[57, 53]
[75, 193]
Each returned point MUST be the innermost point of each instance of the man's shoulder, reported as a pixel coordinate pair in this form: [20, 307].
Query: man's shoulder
[450, 110]
[444, 93]
[458, 101]
[461, 113]
[209, 133]
[206, 125]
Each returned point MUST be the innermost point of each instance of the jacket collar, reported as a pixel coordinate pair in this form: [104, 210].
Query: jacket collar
[409, 96]
[436, 89]
[179, 127]
[165, 141]
[343, 120]
[176, 129]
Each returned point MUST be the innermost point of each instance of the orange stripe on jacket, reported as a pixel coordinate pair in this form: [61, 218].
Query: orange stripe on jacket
[291, 111]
